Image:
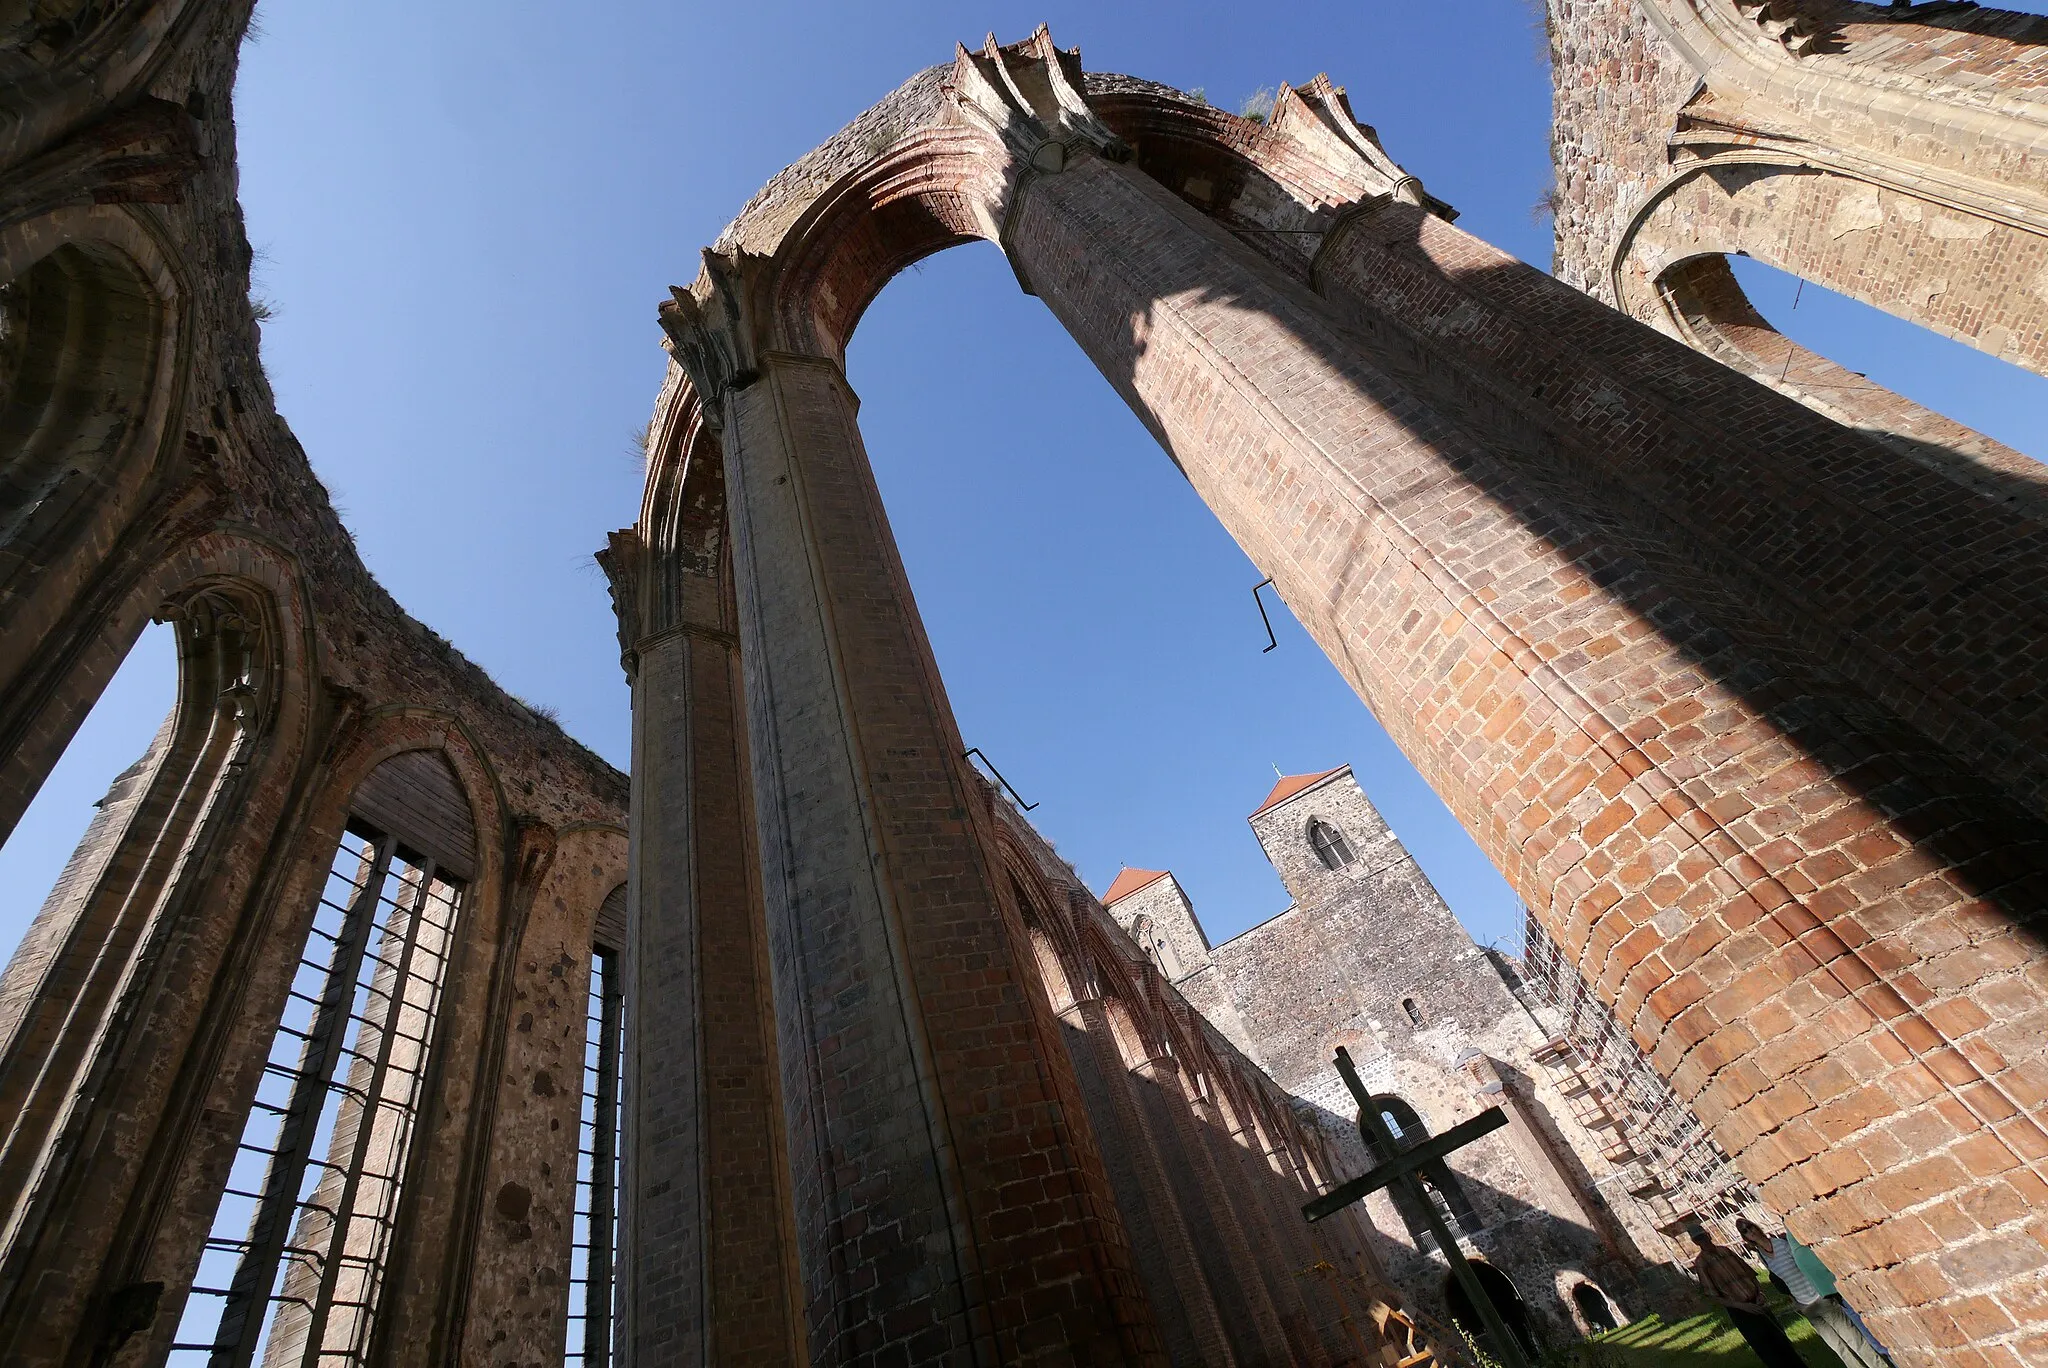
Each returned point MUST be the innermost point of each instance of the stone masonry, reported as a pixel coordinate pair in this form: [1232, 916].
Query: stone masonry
[1895, 154]
[147, 474]
[1368, 957]
[1664, 640]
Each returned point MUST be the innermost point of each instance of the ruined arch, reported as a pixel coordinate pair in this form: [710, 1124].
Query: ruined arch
[1699, 300]
[105, 1035]
[68, 61]
[1937, 264]
[1451, 467]
[87, 369]
[89, 381]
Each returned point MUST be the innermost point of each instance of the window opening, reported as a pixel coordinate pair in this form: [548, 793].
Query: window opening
[54, 851]
[1414, 1012]
[292, 1269]
[1994, 396]
[593, 1256]
[1426, 1237]
[1330, 846]
[1593, 1305]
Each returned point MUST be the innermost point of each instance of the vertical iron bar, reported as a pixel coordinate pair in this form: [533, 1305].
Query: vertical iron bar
[337, 1243]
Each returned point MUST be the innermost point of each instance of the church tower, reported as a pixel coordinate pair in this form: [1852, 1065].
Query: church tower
[1361, 901]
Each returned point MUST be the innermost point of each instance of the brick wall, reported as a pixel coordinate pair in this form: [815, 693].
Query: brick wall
[166, 481]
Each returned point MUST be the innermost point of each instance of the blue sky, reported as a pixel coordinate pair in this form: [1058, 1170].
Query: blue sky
[467, 212]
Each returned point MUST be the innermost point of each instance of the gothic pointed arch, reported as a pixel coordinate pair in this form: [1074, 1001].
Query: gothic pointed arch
[70, 60]
[1426, 376]
[161, 897]
[407, 811]
[93, 323]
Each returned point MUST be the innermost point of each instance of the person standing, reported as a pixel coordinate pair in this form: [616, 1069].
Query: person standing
[1808, 1282]
[1729, 1280]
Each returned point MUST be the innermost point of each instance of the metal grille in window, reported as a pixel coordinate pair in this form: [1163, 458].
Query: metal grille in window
[1331, 847]
[294, 1261]
[593, 1255]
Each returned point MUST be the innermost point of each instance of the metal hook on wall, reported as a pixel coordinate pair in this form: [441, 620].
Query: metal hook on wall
[1271, 640]
[1022, 806]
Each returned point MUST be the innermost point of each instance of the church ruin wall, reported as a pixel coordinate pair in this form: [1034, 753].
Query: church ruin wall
[203, 491]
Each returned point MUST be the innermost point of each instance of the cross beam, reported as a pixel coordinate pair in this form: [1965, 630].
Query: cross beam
[1406, 1163]
[1400, 1173]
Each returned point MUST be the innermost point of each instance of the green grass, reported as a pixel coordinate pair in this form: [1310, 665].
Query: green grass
[1709, 1340]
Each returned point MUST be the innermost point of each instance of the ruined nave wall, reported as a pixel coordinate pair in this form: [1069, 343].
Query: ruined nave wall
[149, 475]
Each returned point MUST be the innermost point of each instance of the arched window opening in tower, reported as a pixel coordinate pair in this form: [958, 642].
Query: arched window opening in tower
[1414, 1012]
[294, 1262]
[594, 1240]
[1330, 846]
[1953, 378]
[55, 850]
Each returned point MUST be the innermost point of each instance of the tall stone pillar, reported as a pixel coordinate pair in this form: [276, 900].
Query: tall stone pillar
[1256, 1335]
[948, 1200]
[1245, 1191]
[1189, 1325]
[1660, 699]
[706, 1268]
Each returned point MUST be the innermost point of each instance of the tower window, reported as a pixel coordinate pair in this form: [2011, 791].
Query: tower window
[1414, 1012]
[1330, 846]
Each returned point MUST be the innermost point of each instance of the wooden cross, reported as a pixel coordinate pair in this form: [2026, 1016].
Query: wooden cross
[1400, 1173]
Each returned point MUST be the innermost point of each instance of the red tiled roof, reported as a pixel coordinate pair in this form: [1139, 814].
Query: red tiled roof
[1291, 785]
[1130, 881]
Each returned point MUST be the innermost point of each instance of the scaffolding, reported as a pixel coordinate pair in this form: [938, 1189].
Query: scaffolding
[1663, 1157]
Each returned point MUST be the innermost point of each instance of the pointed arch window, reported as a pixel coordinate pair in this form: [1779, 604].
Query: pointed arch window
[1146, 933]
[1330, 846]
[293, 1268]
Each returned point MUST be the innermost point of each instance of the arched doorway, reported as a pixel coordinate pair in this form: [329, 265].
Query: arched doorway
[1507, 1302]
[1594, 1307]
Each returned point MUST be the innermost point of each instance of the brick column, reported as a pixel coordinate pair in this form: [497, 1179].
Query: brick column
[1248, 1184]
[706, 1271]
[1186, 1308]
[702, 1226]
[1221, 1242]
[1811, 912]
[1283, 1198]
[949, 1202]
